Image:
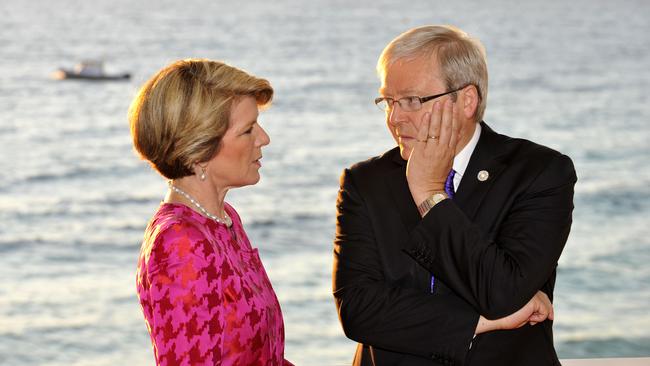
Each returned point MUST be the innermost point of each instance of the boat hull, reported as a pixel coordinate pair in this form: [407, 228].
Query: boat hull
[63, 74]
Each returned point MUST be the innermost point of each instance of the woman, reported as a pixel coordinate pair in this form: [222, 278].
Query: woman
[205, 295]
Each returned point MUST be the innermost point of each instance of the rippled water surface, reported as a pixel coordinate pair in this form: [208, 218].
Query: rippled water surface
[74, 199]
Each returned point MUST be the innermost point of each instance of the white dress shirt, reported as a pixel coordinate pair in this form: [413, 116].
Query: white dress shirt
[462, 159]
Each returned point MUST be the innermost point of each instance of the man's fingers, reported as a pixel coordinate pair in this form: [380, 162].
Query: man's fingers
[423, 131]
[434, 120]
[548, 305]
[455, 129]
[537, 317]
[543, 308]
[445, 123]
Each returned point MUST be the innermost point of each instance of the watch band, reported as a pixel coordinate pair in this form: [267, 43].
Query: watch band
[433, 200]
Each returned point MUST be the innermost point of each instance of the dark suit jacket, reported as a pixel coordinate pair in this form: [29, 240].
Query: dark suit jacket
[491, 249]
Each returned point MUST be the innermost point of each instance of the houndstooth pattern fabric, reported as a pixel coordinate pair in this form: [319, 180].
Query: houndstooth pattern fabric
[204, 293]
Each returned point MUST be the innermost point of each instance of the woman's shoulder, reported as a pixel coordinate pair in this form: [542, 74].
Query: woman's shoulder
[176, 218]
[174, 229]
[176, 247]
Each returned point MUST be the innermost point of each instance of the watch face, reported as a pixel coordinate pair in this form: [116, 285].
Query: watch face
[439, 197]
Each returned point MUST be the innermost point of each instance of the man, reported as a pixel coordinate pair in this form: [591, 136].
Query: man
[455, 226]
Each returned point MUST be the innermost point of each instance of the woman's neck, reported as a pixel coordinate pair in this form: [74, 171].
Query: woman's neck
[206, 194]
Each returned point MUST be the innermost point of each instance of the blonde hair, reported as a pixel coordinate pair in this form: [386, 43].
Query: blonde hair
[180, 115]
[462, 59]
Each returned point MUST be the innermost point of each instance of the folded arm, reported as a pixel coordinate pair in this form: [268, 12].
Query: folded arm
[499, 273]
[374, 311]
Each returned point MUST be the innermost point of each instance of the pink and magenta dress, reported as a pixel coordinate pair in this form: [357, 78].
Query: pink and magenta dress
[204, 293]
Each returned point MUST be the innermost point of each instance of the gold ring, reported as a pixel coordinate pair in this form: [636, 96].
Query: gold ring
[433, 137]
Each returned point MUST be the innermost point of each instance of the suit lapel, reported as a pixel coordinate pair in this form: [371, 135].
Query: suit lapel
[399, 190]
[471, 190]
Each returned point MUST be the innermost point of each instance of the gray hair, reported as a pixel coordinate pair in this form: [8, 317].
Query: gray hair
[462, 59]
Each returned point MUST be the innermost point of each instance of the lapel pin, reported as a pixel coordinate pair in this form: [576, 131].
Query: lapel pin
[483, 175]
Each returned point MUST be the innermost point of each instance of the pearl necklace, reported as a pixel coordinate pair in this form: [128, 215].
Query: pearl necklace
[226, 219]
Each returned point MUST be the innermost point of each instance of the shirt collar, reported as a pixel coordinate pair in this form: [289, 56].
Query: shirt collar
[462, 159]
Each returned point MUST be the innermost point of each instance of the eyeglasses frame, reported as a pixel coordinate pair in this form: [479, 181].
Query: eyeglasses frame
[423, 100]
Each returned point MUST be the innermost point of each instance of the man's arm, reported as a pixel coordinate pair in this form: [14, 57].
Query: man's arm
[498, 275]
[374, 312]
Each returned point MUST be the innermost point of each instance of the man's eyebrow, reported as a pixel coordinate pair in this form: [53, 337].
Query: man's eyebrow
[408, 92]
[403, 92]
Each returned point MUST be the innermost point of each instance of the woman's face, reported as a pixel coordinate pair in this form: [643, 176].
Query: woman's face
[237, 163]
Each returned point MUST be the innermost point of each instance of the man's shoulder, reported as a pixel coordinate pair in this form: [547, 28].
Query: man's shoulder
[517, 149]
[368, 173]
[388, 160]
[533, 156]
[534, 150]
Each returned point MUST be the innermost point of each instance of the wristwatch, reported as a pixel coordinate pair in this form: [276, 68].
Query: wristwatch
[435, 198]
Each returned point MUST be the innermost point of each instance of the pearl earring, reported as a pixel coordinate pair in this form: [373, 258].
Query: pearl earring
[202, 173]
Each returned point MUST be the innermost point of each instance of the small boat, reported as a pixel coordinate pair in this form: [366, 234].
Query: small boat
[88, 70]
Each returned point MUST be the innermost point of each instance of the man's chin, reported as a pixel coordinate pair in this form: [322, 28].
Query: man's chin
[405, 152]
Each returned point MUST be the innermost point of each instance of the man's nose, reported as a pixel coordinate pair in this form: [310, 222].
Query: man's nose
[395, 114]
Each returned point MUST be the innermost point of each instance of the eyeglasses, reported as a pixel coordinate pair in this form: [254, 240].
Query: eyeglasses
[409, 104]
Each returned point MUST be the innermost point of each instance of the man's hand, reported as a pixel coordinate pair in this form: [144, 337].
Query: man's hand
[433, 153]
[544, 312]
[537, 310]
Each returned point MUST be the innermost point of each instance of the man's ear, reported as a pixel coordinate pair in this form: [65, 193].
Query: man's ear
[470, 100]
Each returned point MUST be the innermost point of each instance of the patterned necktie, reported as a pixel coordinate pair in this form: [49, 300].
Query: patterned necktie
[449, 189]
[449, 184]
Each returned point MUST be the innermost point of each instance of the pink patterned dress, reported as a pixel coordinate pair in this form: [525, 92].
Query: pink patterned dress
[204, 293]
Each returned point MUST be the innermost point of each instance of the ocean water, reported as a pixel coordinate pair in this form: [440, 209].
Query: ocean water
[74, 199]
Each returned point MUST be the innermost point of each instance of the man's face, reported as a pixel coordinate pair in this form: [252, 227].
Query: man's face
[417, 77]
